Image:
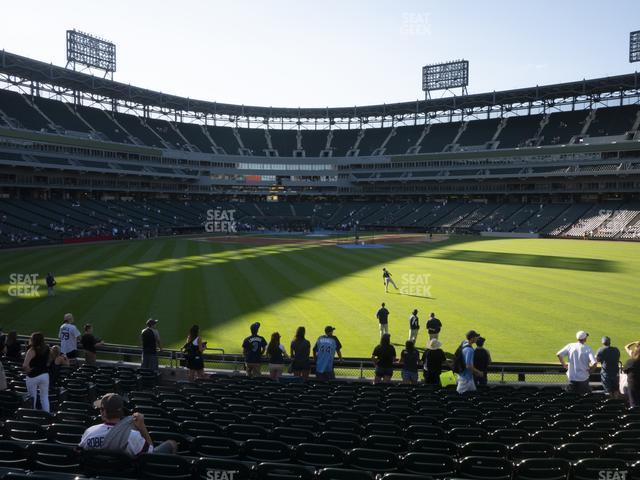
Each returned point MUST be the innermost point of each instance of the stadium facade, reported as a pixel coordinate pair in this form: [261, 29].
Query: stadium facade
[558, 159]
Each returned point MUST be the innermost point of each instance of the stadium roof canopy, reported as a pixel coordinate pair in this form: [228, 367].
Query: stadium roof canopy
[31, 70]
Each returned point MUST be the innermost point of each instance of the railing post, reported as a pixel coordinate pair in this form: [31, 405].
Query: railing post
[502, 375]
[361, 370]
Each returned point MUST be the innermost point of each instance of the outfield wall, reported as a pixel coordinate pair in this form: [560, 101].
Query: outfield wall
[509, 235]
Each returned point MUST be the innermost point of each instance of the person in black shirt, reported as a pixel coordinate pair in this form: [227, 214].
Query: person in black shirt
[253, 348]
[150, 345]
[433, 358]
[433, 326]
[414, 326]
[13, 347]
[481, 361]
[89, 343]
[609, 358]
[300, 351]
[51, 282]
[409, 359]
[3, 341]
[193, 350]
[36, 366]
[632, 369]
[384, 355]
[277, 355]
[383, 317]
[386, 279]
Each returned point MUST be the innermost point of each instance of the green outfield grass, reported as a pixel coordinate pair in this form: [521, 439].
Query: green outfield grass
[527, 297]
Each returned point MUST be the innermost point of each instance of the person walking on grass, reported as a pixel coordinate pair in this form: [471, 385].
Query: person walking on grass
[414, 326]
[193, 350]
[277, 355]
[434, 325]
[383, 318]
[51, 283]
[581, 360]
[384, 356]
[386, 278]
[300, 351]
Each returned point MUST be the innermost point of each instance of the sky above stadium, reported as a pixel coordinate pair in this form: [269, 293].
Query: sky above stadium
[332, 52]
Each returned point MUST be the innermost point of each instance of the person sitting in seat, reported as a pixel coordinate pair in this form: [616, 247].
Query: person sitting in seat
[117, 432]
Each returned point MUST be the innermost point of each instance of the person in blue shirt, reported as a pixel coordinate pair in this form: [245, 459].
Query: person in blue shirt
[466, 381]
[326, 347]
[253, 348]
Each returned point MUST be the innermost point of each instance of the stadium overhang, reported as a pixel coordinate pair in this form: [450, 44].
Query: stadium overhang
[37, 76]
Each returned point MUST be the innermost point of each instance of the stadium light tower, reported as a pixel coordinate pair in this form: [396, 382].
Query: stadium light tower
[91, 52]
[634, 46]
[445, 76]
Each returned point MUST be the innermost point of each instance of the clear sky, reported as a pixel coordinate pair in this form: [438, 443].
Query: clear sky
[331, 52]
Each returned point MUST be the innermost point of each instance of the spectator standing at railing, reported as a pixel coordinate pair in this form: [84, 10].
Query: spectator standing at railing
[69, 335]
[326, 348]
[89, 343]
[481, 361]
[13, 347]
[253, 348]
[151, 345]
[384, 356]
[581, 359]
[409, 358]
[300, 351]
[193, 349]
[632, 369]
[609, 358]
[277, 355]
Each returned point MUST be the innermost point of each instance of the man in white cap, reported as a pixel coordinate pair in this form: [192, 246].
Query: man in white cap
[581, 359]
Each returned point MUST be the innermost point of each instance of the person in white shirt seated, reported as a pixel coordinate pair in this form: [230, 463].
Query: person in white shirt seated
[128, 434]
[581, 360]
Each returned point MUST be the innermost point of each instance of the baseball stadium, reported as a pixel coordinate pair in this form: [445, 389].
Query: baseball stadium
[511, 215]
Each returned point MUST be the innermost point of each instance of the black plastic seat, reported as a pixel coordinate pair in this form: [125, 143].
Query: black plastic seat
[257, 450]
[160, 466]
[217, 447]
[34, 416]
[526, 450]
[391, 443]
[158, 424]
[342, 474]
[293, 436]
[542, 469]
[555, 437]
[65, 434]
[12, 454]
[490, 468]
[592, 468]
[431, 432]
[624, 451]
[595, 436]
[344, 426]
[52, 457]
[242, 432]
[319, 455]
[483, 449]
[280, 471]
[200, 427]
[509, 436]
[24, 431]
[106, 463]
[429, 464]
[441, 447]
[182, 442]
[224, 418]
[467, 434]
[341, 440]
[372, 460]
[578, 450]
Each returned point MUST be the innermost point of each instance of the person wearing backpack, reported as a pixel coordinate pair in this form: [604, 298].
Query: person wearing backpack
[463, 364]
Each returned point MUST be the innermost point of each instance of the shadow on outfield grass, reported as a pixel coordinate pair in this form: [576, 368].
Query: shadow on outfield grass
[524, 260]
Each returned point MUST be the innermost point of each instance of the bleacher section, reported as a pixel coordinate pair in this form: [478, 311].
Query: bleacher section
[439, 136]
[338, 430]
[103, 124]
[15, 106]
[225, 139]
[613, 120]
[403, 139]
[479, 132]
[284, 141]
[372, 140]
[196, 136]
[254, 139]
[519, 131]
[562, 126]
[314, 141]
[142, 133]
[343, 141]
